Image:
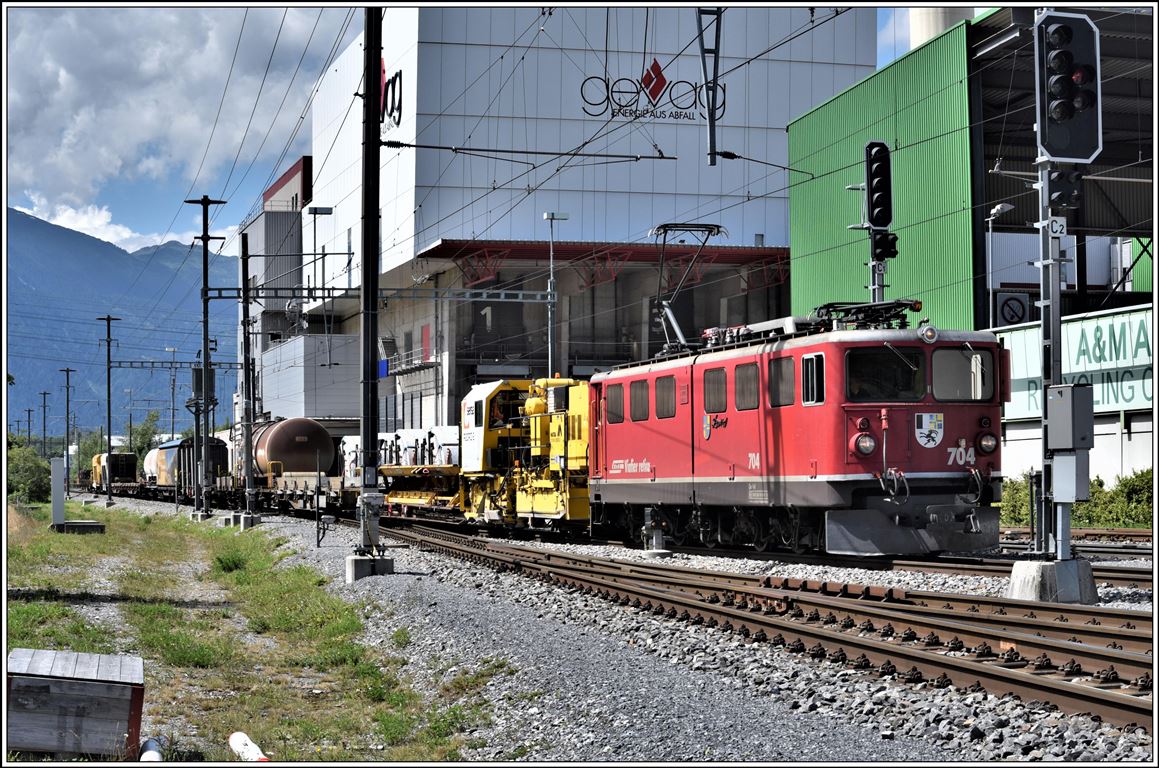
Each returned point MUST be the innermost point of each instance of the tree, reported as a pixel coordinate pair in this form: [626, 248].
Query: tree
[144, 438]
[88, 446]
[29, 476]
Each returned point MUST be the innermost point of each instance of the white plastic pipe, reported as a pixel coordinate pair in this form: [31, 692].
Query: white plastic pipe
[151, 751]
[246, 749]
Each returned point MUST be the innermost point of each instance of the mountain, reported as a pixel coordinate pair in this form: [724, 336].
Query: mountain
[60, 281]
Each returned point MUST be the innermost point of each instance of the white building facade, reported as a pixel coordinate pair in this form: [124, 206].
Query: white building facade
[1112, 351]
[506, 113]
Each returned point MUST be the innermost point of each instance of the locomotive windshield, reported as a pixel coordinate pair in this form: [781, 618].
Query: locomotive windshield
[963, 374]
[884, 374]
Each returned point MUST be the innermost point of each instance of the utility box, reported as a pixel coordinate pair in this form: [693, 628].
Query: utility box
[75, 704]
[1070, 414]
[1072, 477]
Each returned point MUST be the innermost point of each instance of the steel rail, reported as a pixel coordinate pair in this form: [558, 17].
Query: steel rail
[1118, 630]
[1068, 687]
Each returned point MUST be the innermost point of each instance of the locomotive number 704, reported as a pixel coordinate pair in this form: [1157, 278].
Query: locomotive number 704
[959, 456]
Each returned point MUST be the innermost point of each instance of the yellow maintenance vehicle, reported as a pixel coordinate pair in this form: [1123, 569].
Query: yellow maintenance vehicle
[522, 458]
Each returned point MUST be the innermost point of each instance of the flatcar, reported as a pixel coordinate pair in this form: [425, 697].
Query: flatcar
[847, 432]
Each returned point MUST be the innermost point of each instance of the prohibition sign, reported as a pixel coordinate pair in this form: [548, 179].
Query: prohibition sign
[1013, 311]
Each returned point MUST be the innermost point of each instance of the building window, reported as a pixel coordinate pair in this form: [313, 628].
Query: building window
[638, 390]
[715, 394]
[812, 379]
[614, 406]
[748, 387]
[665, 397]
[781, 390]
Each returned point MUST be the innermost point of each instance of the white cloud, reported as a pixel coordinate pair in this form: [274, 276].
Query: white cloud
[97, 222]
[96, 94]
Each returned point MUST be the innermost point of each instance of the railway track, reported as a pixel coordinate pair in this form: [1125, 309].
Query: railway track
[1140, 578]
[1120, 534]
[1082, 659]
[1091, 549]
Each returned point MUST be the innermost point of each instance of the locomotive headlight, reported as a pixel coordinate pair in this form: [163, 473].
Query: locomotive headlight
[928, 334]
[865, 444]
[987, 442]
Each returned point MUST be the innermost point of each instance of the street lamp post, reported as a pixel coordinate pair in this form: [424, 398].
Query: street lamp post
[172, 392]
[551, 217]
[995, 212]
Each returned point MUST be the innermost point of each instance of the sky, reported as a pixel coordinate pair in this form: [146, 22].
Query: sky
[116, 115]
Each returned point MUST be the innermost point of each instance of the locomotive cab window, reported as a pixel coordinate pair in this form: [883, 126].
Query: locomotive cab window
[638, 394]
[748, 387]
[665, 397]
[715, 394]
[963, 374]
[812, 379]
[615, 404]
[781, 391]
[885, 374]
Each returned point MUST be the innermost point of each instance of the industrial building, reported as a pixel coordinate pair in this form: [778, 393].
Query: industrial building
[507, 114]
[958, 115]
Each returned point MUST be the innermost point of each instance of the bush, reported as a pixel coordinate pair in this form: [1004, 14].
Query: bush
[1127, 505]
[29, 476]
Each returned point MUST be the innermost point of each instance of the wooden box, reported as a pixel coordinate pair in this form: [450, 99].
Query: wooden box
[71, 703]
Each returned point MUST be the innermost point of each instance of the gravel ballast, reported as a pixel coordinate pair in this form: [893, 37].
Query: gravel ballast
[589, 680]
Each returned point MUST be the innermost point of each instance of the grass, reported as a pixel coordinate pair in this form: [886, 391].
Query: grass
[270, 651]
[53, 625]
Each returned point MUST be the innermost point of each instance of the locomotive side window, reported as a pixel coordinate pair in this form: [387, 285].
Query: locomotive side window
[963, 374]
[715, 394]
[812, 379]
[889, 374]
[665, 397]
[781, 391]
[615, 407]
[638, 393]
[479, 413]
[748, 387]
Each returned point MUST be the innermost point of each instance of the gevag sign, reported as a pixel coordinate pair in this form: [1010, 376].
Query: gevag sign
[390, 92]
[652, 95]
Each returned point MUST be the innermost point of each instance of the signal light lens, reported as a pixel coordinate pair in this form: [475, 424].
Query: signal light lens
[863, 424]
[928, 334]
[1059, 35]
[984, 422]
[1060, 62]
[865, 444]
[987, 443]
[1082, 75]
[1061, 110]
[1083, 100]
[1061, 87]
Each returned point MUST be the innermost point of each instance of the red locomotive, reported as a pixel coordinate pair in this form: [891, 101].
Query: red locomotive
[848, 432]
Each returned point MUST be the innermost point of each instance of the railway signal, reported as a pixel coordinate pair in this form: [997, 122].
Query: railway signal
[1068, 89]
[1064, 188]
[878, 193]
[883, 245]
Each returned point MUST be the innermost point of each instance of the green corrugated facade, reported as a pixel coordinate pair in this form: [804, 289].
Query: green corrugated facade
[918, 105]
[1141, 274]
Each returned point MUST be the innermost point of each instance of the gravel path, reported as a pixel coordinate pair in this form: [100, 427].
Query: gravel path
[587, 680]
